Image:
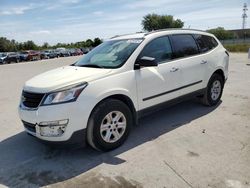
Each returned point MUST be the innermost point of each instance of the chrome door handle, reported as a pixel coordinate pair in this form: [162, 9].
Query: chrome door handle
[203, 62]
[174, 69]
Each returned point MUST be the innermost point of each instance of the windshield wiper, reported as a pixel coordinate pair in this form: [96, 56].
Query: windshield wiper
[90, 65]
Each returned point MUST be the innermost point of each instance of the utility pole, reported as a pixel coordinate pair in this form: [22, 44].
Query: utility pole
[244, 19]
[244, 16]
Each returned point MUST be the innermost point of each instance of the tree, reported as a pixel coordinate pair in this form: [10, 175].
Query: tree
[20, 46]
[30, 45]
[7, 45]
[97, 41]
[89, 43]
[13, 45]
[221, 33]
[3, 44]
[152, 22]
[45, 45]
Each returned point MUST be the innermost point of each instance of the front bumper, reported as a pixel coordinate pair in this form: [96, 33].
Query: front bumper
[78, 137]
[33, 120]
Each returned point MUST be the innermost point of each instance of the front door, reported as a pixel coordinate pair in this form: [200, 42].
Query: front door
[157, 84]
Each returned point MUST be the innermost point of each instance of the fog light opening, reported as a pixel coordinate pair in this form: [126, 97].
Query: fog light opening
[53, 128]
[54, 123]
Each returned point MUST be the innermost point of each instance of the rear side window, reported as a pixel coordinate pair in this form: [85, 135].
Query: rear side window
[184, 45]
[205, 43]
[159, 48]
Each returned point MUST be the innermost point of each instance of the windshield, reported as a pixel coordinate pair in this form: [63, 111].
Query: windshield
[3, 54]
[110, 54]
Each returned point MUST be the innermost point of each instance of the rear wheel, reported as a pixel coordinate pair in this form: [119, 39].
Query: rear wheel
[109, 125]
[214, 90]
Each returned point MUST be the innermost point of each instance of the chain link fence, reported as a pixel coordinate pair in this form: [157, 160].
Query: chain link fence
[236, 41]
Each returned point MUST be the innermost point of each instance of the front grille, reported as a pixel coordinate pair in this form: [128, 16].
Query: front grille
[31, 100]
[29, 126]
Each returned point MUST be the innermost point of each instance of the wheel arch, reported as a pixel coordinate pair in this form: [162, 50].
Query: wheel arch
[125, 99]
[221, 73]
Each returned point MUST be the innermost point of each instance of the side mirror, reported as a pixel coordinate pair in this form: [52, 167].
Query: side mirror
[145, 62]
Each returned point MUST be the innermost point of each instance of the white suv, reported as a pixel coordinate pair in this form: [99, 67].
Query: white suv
[103, 94]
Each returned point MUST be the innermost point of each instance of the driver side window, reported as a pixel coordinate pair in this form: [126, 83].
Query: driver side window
[159, 48]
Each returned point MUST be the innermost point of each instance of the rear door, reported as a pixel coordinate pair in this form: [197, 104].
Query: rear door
[192, 64]
[206, 45]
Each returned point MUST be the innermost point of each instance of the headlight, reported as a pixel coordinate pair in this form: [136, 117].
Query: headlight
[64, 95]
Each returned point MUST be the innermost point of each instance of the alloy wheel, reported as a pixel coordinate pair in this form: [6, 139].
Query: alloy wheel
[216, 90]
[113, 126]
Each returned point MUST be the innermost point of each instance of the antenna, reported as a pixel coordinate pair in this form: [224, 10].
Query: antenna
[244, 16]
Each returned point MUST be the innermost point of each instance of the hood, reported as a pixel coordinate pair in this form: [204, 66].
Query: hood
[62, 77]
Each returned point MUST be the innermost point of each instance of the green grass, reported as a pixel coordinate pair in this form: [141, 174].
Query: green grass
[237, 47]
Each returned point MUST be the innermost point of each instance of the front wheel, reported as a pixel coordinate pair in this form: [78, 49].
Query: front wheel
[214, 90]
[109, 125]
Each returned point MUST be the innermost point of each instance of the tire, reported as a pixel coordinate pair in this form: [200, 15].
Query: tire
[214, 90]
[105, 116]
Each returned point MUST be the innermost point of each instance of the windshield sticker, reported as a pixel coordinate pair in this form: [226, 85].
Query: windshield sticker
[136, 41]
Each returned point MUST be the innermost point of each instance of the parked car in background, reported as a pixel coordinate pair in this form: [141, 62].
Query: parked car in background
[75, 51]
[72, 51]
[85, 50]
[2, 57]
[44, 54]
[9, 57]
[30, 55]
[52, 54]
[47, 54]
[62, 52]
[34, 55]
[23, 56]
[57, 52]
[78, 51]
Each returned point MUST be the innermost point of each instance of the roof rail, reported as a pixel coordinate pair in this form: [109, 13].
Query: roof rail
[155, 31]
[170, 29]
[126, 34]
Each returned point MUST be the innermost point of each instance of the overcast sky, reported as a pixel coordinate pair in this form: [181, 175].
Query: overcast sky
[56, 21]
